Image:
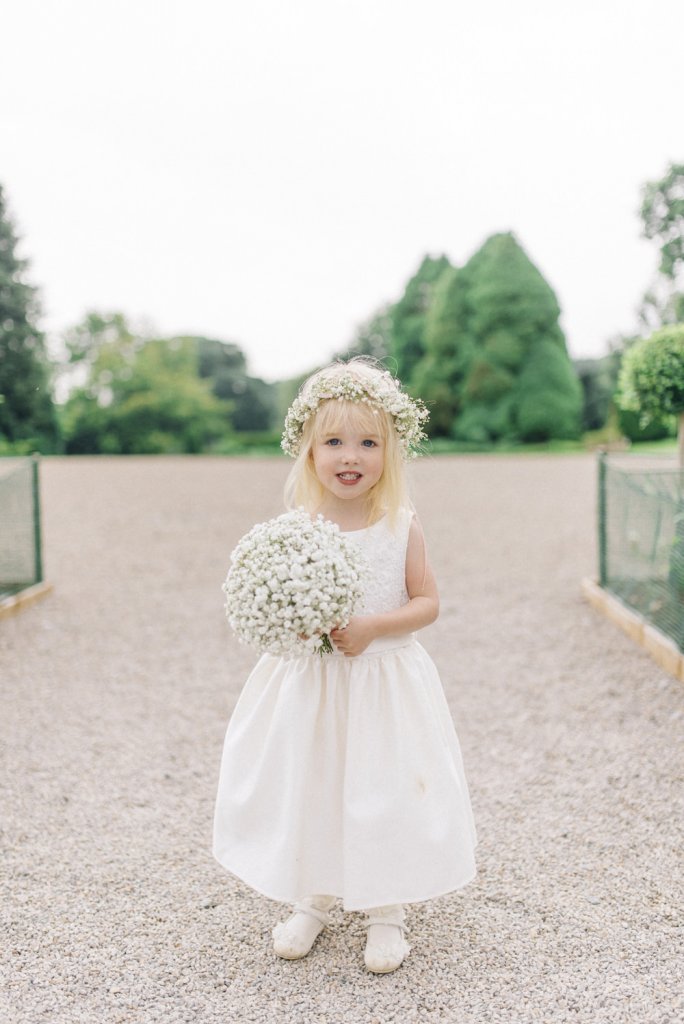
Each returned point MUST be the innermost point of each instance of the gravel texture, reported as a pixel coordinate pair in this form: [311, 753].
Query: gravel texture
[116, 690]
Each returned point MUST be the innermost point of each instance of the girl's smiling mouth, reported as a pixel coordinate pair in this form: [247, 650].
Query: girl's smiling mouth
[348, 478]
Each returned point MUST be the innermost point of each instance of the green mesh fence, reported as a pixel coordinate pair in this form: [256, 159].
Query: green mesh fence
[20, 552]
[641, 537]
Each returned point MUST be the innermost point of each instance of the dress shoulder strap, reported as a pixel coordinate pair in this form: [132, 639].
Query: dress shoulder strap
[404, 519]
[397, 532]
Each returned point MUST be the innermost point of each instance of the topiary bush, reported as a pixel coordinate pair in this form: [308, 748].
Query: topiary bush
[652, 384]
[652, 378]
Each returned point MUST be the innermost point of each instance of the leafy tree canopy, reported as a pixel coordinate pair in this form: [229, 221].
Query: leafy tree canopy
[662, 217]
[101, 351]
[132, 393]
[224, 365]
[662, 214]
[153, 402]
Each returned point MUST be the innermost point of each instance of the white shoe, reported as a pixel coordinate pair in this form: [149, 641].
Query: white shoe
[294, 938]
[386, 947]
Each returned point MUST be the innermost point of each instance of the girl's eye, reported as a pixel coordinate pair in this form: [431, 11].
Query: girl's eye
[333, 441]
[368, 443]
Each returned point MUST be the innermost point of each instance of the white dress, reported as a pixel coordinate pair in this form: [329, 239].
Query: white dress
[343, 776]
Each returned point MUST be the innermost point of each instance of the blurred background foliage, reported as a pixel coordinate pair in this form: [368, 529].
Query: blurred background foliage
[481, 344]
[129, 393]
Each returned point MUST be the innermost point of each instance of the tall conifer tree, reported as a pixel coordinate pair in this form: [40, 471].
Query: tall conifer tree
[449, 348]
[27, 414]
[409, 316]
[496, 364]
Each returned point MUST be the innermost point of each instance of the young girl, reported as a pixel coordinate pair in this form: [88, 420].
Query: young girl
[341, 775]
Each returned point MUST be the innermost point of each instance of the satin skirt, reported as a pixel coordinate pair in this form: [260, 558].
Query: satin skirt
[344, 776]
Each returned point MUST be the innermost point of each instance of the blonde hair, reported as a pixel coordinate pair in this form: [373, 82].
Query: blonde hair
[390, 493]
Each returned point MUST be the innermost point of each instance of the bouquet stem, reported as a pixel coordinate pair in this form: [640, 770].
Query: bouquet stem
[326, 646]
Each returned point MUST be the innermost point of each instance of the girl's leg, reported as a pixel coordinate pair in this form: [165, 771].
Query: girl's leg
[294, 938]
[386, 946]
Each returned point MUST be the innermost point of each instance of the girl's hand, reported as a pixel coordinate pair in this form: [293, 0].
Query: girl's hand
[355, 637]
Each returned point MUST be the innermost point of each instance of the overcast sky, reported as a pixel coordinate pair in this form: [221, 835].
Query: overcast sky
[271, 171]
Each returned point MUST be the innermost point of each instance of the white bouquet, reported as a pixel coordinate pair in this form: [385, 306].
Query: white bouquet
[291, 581]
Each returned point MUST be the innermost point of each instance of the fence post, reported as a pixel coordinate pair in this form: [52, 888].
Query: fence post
[602, 515]
[37, 540]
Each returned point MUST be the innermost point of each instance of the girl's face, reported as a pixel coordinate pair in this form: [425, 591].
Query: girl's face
[348, 461]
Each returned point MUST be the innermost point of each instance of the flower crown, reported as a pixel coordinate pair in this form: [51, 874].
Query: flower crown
[385, 392]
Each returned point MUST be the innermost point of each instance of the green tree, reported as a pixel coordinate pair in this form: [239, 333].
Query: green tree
[27, 415]
[662, 213]
[450, 346]
[496, 363]
[662, 216]
[407, 344]
[598, 379]
[516, 321]
[101, 350]
[652, 378]
[163, 406]
[138, 395]
[220, 362]
[548, 400]
[252, 400]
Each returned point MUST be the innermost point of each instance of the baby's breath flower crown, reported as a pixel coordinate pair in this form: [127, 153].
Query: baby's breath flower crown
[382, 391]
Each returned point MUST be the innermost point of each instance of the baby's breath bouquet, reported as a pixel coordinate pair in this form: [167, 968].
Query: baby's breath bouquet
[291, 581]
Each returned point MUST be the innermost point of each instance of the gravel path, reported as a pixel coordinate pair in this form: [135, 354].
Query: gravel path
[116, 690]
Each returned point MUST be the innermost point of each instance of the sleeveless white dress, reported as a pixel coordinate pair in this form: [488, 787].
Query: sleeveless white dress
[343, 776]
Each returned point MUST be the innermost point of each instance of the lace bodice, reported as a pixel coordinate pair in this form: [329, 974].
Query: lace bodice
[384, 548]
